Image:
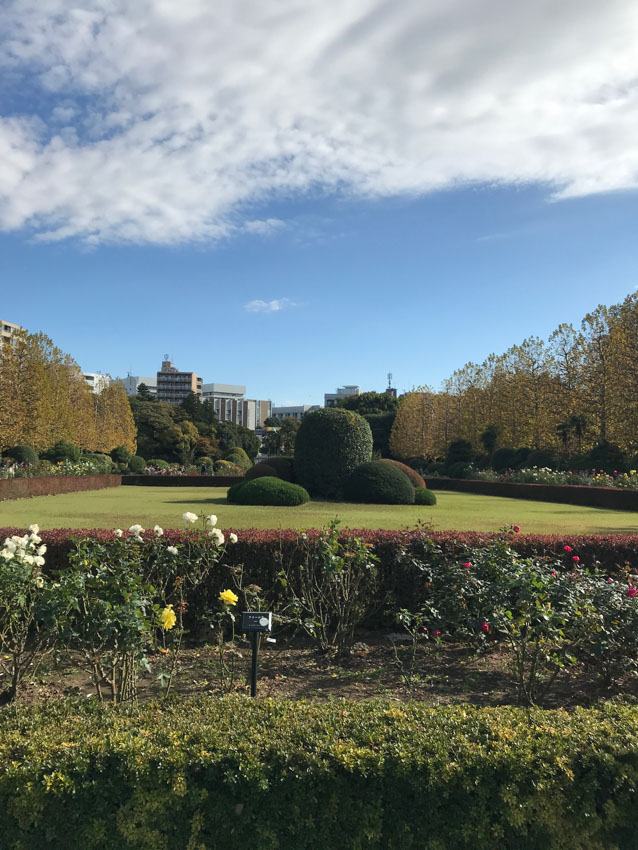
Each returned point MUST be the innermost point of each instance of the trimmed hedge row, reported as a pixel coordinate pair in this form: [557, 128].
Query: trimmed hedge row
[567, 494]
[51, 485]
[180, 480]
[233, 773]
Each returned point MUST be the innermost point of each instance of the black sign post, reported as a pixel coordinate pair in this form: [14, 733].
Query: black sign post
[252, 623]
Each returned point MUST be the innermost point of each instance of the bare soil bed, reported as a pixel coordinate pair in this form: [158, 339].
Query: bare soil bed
[379, 666]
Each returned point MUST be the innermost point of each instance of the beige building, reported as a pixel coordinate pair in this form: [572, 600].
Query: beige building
[230, 405]
[173, 386]
[7, 330]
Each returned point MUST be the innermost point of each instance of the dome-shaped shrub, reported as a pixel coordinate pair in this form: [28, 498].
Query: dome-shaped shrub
[503, 458]
[283, 467]
[231, 495]
[330, 444]
[270, 491]
[413, 475]
[260, 470]
[424, 497]
[379, 483]
[23, 454]
[137, 464]
[62, 451]
[238, 457]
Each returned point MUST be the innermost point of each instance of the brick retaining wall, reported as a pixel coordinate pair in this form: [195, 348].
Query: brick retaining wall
[180, 480]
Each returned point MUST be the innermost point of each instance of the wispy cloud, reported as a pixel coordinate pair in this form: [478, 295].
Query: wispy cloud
[274, 306]
[159, 122]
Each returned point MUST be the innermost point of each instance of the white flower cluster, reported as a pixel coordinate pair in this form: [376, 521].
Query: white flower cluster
[27, 549]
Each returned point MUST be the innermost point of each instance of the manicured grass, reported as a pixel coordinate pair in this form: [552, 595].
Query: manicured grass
[122, 506]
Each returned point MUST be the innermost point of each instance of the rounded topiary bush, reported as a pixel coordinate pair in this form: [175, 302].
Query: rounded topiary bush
[120, 454]
[158, 463]
[460, 469]
[543, 458]
[331, 443]
[424, 497]
[136, 465]
[238, 457]
[379, 483]
[23, 454]
[504, 458]
[270, 491]
[413, 475]
[62, 451]
[283, 467]
[231, 495]
[261, 470]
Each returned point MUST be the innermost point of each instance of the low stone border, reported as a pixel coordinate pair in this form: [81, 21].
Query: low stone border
[180, 480]
[51, 485]
[568, 494]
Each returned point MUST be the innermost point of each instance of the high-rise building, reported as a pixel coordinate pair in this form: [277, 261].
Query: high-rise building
[331, 399]
[230, 405]
[174, 386]
[7, 331]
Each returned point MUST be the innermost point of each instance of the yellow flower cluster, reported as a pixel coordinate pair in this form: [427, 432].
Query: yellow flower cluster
[167, 618]
[228, 597]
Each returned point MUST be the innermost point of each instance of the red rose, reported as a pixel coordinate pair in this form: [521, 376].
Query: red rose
[516, 529]
[485, 627]
[576, 559]
[567, 548]
[467, 565]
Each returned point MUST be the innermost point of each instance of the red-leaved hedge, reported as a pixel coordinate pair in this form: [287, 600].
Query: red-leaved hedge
[50, 485]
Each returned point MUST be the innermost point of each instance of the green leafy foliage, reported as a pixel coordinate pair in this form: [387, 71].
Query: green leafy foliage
[120, 454]
[377, 482]
[422, 496]
[504, 458]
[271, 491]
[259, 470]
[330, 444]
[231, 772]
[23, 454]
[62, 450]
[231, 495]
[238, 457]
[136, 464]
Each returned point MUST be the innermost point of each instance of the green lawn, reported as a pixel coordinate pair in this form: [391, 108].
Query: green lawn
[120, 507]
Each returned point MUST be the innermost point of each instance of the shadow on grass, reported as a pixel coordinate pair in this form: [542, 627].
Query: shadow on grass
[221, 500]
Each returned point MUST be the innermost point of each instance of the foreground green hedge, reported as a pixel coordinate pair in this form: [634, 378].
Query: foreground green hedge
[232, 773]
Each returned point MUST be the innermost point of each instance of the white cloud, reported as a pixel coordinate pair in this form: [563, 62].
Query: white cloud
[274, 306]
[186, 112]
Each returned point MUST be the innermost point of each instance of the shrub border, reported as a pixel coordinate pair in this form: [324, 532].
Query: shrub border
[51, 485]
[568, 494]
[180, 480]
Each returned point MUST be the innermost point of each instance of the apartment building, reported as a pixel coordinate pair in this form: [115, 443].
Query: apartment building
[230, 405]
[331, 399]
[7, 330]
[174, 386]
[297, 411]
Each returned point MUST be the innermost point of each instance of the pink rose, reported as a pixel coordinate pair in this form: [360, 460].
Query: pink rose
[436, 633]
[467, 565]
[567, 548]
[554, 575]
[576, 559]
[516, 529]
[485, 627]
[632, 591]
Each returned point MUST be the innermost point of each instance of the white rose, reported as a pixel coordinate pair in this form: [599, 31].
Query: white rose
[39, 582]
[189, 517]
[10, 545]
[136, 529]
[28, 559]
[211, 519]
[216, 536]
[118, 532]
[158, 531]
[232, 537]
[38, 561]
[171, 550]
[41, 549]
[34, 529]
[35, 539]
[6, 554]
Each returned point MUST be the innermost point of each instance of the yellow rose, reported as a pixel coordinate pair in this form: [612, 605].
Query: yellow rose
[228, 597]
[167, 618]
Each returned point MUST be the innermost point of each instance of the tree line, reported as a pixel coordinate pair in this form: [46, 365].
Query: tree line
[44, 399]
[570, 393]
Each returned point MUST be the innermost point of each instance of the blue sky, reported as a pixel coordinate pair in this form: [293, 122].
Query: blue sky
[295, 197]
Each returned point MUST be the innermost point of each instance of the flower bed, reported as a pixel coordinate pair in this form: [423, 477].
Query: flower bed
[23, 488]
[591, 496]
[236, 773]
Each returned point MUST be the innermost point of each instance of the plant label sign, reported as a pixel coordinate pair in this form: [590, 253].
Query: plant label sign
[256, 621]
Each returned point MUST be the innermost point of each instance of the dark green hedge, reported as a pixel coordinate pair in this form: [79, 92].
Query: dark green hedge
[270, 491]
[233, 773]
[379, 483]
[424, 497]
[330, 444]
